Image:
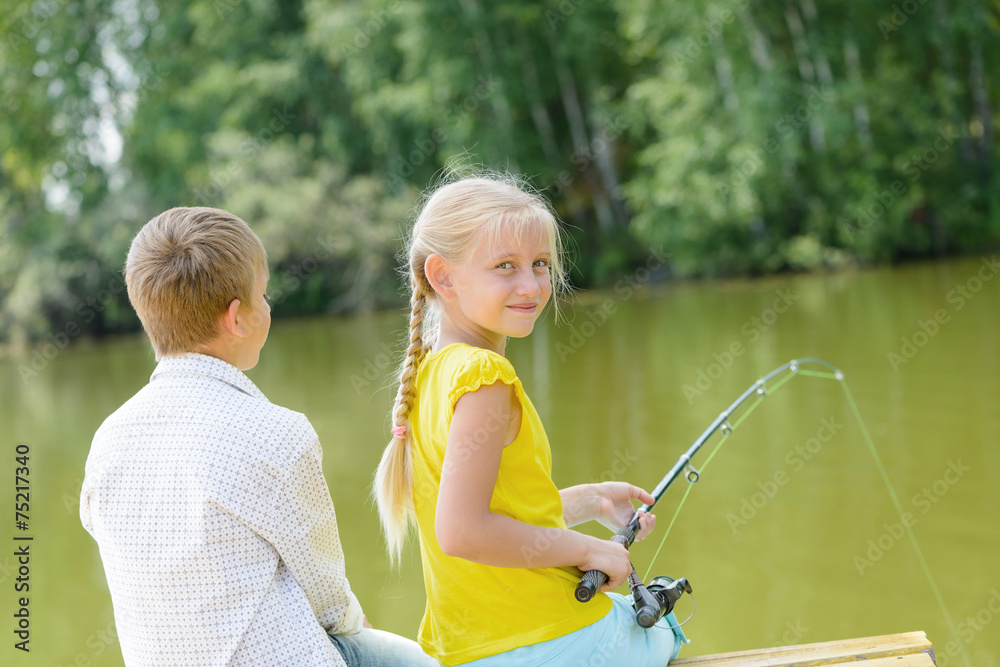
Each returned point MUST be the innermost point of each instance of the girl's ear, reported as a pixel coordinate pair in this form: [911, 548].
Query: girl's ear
[438, 273]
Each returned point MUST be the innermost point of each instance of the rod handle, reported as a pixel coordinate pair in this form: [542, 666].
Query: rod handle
[592, 580]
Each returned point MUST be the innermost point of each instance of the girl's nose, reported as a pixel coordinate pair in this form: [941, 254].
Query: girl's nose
[527, 283]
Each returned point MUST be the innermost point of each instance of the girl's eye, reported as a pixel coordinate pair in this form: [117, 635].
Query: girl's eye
[543, 263]
[267, 298]
[505, 265]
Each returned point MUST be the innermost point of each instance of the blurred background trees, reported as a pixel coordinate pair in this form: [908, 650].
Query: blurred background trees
[739, 138]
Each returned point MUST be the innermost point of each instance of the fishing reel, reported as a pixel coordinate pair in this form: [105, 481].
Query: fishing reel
[653, 602]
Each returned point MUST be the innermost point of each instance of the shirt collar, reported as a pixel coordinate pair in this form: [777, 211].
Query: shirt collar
[194, 363]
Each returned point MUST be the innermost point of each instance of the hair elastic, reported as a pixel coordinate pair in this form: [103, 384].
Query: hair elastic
[399, 432]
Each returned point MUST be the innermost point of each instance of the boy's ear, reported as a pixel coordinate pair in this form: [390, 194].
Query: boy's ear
[438, 273]
[228, 320]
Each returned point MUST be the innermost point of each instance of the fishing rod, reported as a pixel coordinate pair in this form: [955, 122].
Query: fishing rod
[659, 597]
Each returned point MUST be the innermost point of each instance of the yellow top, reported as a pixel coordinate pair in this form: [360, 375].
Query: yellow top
[476, 610]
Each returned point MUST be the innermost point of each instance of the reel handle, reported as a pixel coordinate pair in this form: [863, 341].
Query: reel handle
[592, 580]
[647, 607]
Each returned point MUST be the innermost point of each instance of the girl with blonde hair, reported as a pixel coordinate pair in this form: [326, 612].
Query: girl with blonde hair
[469, 461]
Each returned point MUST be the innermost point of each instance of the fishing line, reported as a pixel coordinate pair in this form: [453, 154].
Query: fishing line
[762, 390]
[694, 608]
[725, 436]
[906, 524]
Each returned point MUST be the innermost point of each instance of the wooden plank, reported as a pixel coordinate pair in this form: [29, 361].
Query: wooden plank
[826, 653]
[914, 660]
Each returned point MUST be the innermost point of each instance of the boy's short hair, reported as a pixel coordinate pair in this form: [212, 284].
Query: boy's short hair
[184, 267]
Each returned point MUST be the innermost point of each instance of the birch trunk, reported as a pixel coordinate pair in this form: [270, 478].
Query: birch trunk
[581, 141]
[539, 114]
[862, 121]
[498, 100]
[817, 135]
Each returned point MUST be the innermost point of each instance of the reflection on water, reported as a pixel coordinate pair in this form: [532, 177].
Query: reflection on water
[789, 537]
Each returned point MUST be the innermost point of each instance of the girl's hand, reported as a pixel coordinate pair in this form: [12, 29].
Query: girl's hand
[615, 507]
[610, 558]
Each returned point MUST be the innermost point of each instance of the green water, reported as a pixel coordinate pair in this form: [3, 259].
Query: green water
[788, 538]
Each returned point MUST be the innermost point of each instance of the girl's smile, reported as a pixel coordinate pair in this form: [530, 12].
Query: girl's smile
[528, 308]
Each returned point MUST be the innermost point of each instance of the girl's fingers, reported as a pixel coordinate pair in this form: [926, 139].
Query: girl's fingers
[642, 495]
[647, 522]
[612, 584]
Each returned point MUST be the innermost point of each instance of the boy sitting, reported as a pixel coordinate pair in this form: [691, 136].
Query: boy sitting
[209, 504]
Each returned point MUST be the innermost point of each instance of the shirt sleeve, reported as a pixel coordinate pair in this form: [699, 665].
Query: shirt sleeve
[483, 367]
[309, 544]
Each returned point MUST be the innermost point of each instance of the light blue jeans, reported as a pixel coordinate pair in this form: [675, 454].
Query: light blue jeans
[377, 648]
[614, 640]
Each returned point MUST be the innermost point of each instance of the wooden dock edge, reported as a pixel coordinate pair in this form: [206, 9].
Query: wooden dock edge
[908, 649]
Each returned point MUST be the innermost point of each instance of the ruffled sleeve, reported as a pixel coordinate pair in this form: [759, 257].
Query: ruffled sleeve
[482, 367]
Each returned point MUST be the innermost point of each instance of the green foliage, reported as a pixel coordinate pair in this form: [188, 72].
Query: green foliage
[738, 138]
[799, 135]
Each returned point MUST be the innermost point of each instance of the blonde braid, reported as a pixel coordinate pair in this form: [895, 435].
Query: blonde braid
[394, 477]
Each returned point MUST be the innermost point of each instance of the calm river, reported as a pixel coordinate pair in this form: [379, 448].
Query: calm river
[789, 537]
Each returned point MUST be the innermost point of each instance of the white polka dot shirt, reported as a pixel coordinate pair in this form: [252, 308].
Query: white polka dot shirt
[215, 525]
